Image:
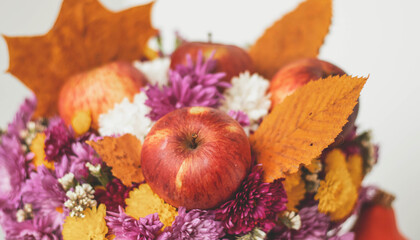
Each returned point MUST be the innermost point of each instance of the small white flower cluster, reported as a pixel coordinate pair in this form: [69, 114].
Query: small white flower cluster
[25, 213]
[249, 95]
[94, 170]
[312, 178]
[67, 181]
[127, 117]
[156, 70]
[255, 234]
[81, 198]
[291, 220]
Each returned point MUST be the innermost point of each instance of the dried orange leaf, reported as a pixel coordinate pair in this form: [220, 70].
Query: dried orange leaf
[85, 35]
[298, 34]
[123, 155]
[298, 129]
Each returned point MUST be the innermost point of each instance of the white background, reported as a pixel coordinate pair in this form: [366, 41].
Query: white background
[379, 38]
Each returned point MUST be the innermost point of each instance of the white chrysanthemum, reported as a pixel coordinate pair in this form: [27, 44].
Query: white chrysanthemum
[127, 117]
[156, 70]
[249, 95]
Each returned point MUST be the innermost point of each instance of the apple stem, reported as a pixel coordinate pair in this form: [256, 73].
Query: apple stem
[209, 37]
[194, 137]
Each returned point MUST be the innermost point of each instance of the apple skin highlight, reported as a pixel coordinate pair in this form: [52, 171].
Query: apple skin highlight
[196, 157]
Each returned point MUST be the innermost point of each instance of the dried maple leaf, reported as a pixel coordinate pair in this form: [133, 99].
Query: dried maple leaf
[123, 155]
[298, 129]
[298, 34]
[85, 35]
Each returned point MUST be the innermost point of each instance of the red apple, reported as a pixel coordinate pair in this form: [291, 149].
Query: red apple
[298, 73]
[99, 89]
[196, 157]
[230, 59]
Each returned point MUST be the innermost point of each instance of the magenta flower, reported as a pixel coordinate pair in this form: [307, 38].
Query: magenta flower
[12, 170]
[45, 194]
[37, 228]
[255, 205]
[241, 117]
[13, 159]
[346, 236]
[191, 85]
[22, 117]
[195, 224]
[74, 160]
[114, 195]
[58, 140]
[314, 226]
[82, 154]
[202, 71]
[125, 227]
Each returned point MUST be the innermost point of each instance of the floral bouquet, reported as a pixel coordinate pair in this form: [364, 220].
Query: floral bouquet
[122, 141]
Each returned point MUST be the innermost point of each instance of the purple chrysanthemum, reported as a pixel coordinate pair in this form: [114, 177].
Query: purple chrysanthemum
[241, 117]
[13, 159]
[190, 85]
[58, 140]
[201, 72]
[75, 158]
[22, 117]
[114, 195]
[314, 226]
[12, 169]
[345, 236]
[195, 224]
[36, 228]
[82, 154]
[125, 227]
[255, 205]
[45, 194]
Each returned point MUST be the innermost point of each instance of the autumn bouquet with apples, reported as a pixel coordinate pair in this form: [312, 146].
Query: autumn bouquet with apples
[212, 141]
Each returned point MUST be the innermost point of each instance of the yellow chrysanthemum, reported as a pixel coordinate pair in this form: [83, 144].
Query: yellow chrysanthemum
[335, 159]
[337, 194]
[295, 190]
[37, 148]
[91, 227]
[355, 167]
[143, 201]
[81, 122]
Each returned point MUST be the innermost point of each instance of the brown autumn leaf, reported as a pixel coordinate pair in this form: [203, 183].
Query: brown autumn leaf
[298, 129]
[123, 155]
[298, 34]
[85, 35]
